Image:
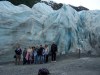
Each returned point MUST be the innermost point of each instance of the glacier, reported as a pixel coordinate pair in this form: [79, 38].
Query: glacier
[69, 29]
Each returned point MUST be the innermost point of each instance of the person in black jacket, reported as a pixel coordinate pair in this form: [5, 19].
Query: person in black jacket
[53, 52]
[40, 54]
[18, 53]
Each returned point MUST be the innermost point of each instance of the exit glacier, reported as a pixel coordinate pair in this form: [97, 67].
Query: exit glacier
[69, 29]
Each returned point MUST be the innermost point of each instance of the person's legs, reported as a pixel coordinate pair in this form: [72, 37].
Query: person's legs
[46, 58]
[39, 59]
[28, 61]
[54, 56]
[16, 61]
[42, 59]
[24, 61]
[35, 60]
[19, 59]
[32, 60]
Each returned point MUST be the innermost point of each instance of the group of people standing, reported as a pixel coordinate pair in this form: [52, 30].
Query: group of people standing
[36, 55]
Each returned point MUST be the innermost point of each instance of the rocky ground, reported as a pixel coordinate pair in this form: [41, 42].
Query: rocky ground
[63, 66]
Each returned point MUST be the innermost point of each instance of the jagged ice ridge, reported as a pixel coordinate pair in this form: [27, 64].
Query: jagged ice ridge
[69, 29]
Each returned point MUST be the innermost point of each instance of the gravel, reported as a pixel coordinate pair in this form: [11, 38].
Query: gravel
[79, 66]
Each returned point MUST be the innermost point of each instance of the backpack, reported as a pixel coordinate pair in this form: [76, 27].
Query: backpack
[43, 71]
[18, 51]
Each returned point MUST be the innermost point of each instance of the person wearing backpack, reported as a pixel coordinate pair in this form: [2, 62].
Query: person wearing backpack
[18, 53]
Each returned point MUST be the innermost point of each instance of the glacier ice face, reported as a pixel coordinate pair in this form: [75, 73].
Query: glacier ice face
[12, 20]
[69, 29]
[91, 27]
[61, 27]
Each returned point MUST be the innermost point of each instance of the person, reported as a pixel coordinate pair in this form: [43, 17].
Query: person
[18, 53]
[24, 55]
[33, 48]
[37, 49]
[43, 56]
[46, 52]
[53, 52]
[29, 55]
[40, 54]
[35, 56]
[43, 71]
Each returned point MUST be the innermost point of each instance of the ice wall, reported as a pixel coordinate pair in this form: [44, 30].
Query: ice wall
[91, 30]
[69, 29]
